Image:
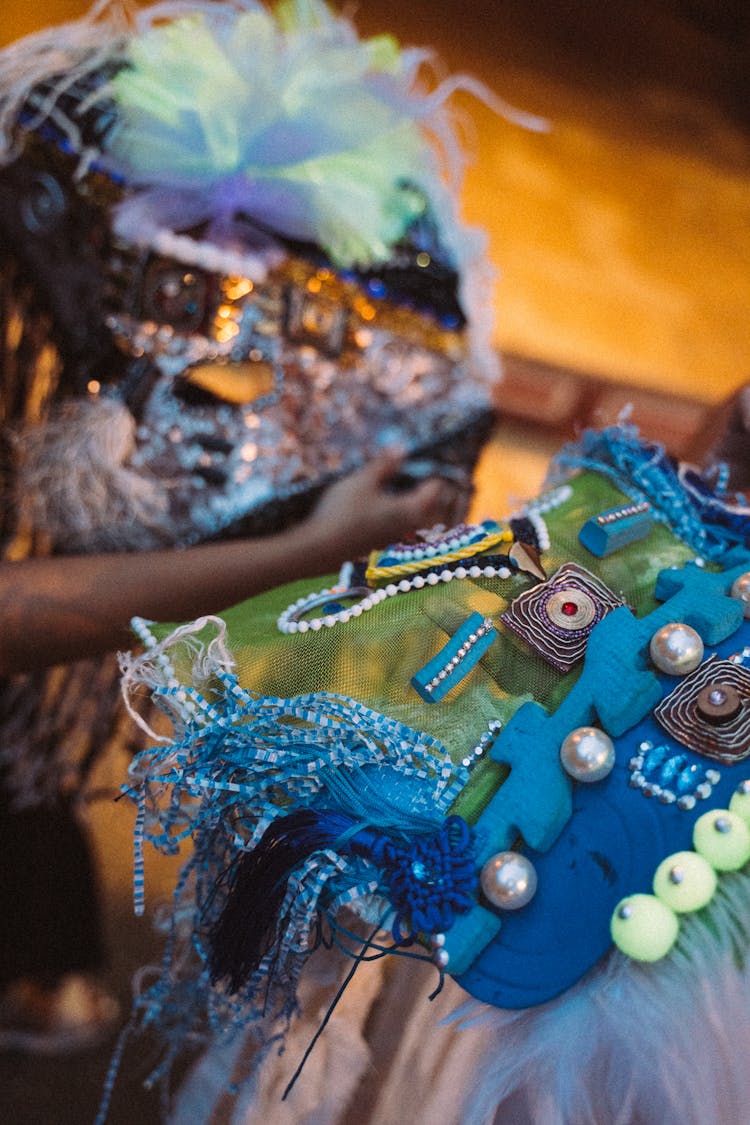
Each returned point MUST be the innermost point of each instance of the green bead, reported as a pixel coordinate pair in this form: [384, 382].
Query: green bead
[723, 838]
[740, 804]
[684, 882]
[644, 928]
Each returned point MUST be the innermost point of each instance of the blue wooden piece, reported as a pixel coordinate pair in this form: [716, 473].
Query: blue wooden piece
[610, 847]
[606, 533]
[455, 660]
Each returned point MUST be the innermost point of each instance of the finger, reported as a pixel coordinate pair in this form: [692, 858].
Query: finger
[462, 497]
[427, 500]
[386, 464]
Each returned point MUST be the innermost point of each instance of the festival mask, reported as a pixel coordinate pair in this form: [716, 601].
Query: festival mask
[241, 224]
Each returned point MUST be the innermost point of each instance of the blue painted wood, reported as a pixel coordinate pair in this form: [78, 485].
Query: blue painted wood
[618, 691]
[423, 681]
[608, 531]
[610, 847]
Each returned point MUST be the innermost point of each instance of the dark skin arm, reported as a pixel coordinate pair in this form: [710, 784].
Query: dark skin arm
[64, 608]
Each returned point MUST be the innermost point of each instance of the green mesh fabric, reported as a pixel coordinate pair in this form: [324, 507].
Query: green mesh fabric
[372, 658]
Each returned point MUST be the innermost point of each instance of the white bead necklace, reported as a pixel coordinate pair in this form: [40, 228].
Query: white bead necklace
[292, 619]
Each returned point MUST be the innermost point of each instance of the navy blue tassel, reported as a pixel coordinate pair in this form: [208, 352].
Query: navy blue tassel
[428, 879]
[245, 929]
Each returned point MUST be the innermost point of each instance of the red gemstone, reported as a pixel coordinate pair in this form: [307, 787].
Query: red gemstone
[570, 609]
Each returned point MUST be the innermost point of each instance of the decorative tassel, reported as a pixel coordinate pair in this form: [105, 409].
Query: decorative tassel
[246, 927]
[427, 879]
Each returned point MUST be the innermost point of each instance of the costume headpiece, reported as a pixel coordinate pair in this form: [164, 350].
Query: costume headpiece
[512, 745]
[243, 223]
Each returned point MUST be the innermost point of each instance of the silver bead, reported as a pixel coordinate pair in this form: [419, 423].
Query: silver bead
[587, 754]
[441, 958]
[676, 875]
[676, 649]
[437, 941]
[723, 825]
[508, 880]
[741, 591]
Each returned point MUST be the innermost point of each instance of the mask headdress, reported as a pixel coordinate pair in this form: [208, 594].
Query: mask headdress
[243, 224]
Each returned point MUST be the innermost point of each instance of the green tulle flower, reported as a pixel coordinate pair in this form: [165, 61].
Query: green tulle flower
[287, 118]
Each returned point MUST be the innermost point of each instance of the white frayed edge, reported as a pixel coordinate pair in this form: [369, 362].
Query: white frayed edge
[200, 662]
[75, 483]
[467, 84]
[73, 50]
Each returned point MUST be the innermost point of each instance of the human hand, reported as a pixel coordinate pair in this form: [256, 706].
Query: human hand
[363, 511]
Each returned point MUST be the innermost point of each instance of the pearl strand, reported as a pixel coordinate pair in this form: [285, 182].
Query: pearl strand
[288, 621]
[396, 570]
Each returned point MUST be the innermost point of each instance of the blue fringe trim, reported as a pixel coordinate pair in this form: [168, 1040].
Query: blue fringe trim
[707, 519]
[237, 764]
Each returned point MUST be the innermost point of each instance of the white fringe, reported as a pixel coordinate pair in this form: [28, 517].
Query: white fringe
[73, 484]
[199, 660]
[663, 1044]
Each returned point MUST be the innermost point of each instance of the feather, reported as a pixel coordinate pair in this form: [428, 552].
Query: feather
[663, 1043]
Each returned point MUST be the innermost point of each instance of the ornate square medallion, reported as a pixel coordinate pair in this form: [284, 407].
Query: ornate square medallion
[709, 711]
[556, 617]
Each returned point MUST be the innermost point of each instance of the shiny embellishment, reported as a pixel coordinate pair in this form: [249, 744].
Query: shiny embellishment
[676, 649]
[315, 320]
[571, 612]
[670, 778]
[440, 954]
[688, 715]
[456, 659]
[588, 754]
[214, 327]
[741, 591]
[527, 559]
[478, 751]
[616, 528]
[292, 619]
[508, 880]
[443, 548]
[332, 602]
[556, 617]
[718, 703]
